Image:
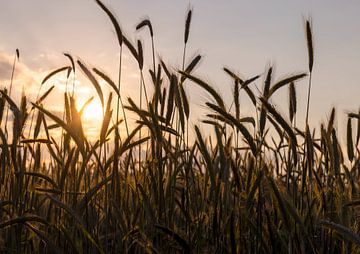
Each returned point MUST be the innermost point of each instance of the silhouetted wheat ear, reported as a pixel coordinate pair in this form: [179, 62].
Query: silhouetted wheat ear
[187, 26]
[107, 79]
[71, 60]
[292, 101]
[349, 141]
[55, 72]
[93, 80]
[140, 55]
[113, 21]
[236, 99]
[309, 40]
[267, 82]
[193, 64]
[145, 22]
[131, 47]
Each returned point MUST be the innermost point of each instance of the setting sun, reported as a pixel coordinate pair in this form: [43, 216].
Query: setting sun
[91, 117]
[93, 112]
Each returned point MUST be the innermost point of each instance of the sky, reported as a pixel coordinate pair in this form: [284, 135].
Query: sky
[245, 36]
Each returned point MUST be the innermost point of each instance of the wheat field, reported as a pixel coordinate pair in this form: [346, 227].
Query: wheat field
[257, 183]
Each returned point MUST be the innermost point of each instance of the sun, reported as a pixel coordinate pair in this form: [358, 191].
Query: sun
[92, 117]
[93, 112]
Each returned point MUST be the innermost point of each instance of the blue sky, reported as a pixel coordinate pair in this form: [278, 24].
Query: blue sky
[246, 36]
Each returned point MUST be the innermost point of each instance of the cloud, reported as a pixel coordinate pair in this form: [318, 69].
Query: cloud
[29, 75]
[5, 67]
[24, 77]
